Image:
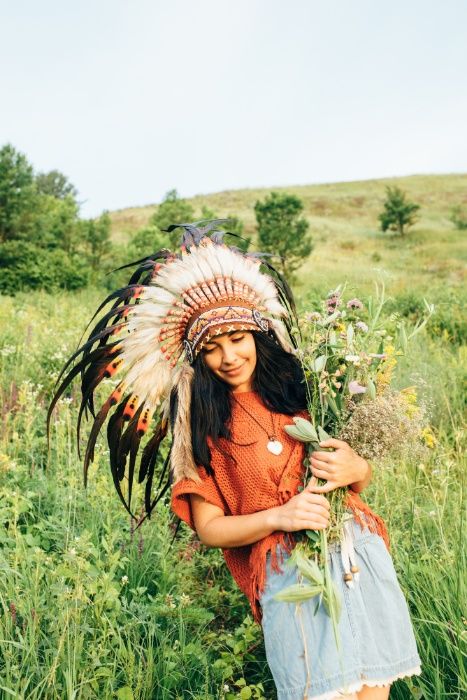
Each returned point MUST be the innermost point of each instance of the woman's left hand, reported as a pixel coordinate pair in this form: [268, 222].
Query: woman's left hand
[341, 467]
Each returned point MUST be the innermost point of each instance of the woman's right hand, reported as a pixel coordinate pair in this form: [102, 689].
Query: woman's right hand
[305, 511]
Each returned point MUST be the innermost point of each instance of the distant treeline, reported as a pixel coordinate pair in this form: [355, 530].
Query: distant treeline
[45, 244]
[43, 241]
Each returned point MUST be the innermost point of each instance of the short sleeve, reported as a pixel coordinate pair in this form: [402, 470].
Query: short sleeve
[207, 488]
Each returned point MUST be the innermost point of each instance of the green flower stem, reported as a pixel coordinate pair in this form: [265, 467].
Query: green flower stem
[329, 586]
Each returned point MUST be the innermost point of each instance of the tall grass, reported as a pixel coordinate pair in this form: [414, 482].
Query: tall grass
[91, 609]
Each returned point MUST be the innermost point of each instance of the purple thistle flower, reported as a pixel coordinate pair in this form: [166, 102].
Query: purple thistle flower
[361, 325]
[354, 304]
[356, 388]
[332, 303]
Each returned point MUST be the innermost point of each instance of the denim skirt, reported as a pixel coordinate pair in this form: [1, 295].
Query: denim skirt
[377, 643]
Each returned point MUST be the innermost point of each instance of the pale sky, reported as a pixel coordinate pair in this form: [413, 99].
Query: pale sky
[132, 99]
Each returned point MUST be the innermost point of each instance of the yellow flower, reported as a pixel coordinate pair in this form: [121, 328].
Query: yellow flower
[384, 374]
[409, 395]
[428, 437]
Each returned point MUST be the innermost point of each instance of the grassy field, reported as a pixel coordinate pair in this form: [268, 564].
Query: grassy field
[91, 609]
[344, 226]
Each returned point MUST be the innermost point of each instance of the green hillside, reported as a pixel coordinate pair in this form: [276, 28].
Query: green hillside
[344, 224]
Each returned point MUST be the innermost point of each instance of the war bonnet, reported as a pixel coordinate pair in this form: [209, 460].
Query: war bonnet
[174, 303]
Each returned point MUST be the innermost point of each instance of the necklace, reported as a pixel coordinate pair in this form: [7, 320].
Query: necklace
[274, 445]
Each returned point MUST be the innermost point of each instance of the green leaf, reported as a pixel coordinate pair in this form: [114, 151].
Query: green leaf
[371, 388]
[313, 535]
[403, 338]
[306, 429]
[333, 405]
[322, 434]
[125, 693]
[245, 693]
[298, 592]
[332, 601]
[295, 433]
[319, 363]
[309, 569]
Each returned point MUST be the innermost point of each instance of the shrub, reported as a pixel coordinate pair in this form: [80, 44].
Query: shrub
[282, 231]
[398, 212]
[459, 218]
[25, 266]
[448, 320]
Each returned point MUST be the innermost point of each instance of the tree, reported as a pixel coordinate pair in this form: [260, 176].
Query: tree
[96, 240]
[282, 231]
[57, 223]
[398, 212]
[24, 265]
[55, 184]
[459, 218]
[173, 210]
[17, 193]
[148, 240]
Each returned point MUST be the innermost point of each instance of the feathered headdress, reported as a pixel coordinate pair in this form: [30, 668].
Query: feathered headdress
[155, 327]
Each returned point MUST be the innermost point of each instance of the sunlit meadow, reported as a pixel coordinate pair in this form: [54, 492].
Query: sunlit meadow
[90, 608]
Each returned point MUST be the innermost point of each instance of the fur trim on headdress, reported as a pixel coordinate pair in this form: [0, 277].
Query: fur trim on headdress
[182, 462]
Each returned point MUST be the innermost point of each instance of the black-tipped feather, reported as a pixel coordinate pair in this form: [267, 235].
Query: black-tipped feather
[92, 376]
[95, 430]
[160, 494]
[151, 450]
[114, 315]
[134, 447]
[126, 442]
[120, 295]
[114, 432]
[161, 491]
[84, 348]
[161, 254]
[69, 378]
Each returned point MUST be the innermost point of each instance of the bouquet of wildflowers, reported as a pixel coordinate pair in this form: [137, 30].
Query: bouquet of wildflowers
[348, 354]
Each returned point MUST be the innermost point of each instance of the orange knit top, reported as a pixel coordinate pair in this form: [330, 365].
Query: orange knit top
[256, 480]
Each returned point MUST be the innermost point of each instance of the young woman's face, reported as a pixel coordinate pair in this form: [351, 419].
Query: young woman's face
[232, 358]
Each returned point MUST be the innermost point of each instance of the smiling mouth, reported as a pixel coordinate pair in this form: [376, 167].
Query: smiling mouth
[233, 372]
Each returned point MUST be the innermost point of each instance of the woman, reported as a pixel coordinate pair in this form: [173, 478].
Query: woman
[260, 383]
[202, 340]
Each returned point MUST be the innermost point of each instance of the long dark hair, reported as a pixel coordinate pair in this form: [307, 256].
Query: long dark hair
[278, 380]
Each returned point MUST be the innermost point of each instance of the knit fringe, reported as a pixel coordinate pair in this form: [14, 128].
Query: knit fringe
[363, 515]
[258, 557]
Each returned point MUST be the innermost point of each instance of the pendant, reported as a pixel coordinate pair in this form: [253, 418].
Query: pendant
[275, 446]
